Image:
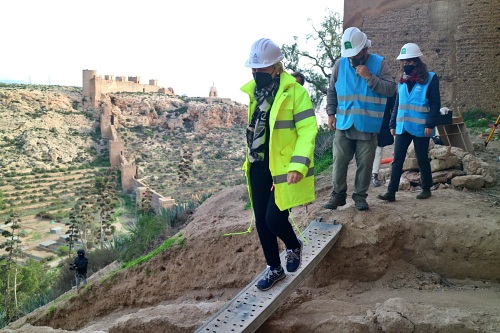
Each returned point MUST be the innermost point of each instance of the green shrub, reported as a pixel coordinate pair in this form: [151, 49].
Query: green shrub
[478, 119]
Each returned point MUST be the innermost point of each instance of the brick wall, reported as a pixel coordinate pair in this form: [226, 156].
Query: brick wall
[459, 38]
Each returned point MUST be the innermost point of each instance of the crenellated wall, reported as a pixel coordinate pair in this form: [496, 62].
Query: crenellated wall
[459, 39]
[94, 86]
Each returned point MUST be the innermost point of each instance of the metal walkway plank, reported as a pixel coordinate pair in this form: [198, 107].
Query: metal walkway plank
[250, 308]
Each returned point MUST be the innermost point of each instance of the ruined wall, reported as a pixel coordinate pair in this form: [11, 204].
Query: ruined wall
[94, 86]
[128, 170]
[158, 202]
[459, 39]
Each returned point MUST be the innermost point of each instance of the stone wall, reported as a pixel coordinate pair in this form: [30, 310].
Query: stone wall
[459, 39]
[117, 158]
[94, 86]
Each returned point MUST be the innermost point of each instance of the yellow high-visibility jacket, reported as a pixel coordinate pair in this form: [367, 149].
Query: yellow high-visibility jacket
[292, 136]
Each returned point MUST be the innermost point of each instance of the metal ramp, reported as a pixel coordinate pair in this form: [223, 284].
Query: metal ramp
[250, 308]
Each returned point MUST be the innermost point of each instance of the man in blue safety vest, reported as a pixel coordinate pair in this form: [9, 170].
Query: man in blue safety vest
[356, 97]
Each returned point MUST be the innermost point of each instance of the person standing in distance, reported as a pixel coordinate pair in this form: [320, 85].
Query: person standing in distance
[279, 164]
[80, 266]
[299, 77]
[356, 98]
[413, 119]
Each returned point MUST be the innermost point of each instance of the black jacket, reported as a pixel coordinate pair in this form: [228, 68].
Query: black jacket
[385, 137]
[434, 98]
[81, 265]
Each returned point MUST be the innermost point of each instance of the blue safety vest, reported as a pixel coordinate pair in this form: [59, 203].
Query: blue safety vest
[413, 108]
[357, 103]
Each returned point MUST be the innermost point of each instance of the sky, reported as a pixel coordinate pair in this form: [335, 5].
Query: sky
[188, 45]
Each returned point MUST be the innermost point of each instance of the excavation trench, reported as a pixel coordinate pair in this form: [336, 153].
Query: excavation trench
[408, 266]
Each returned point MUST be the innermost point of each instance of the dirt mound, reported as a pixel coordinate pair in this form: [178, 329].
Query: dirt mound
[408, 266]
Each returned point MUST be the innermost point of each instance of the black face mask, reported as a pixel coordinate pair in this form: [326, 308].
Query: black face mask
[355, 62]
[408, 69]
[262, 79]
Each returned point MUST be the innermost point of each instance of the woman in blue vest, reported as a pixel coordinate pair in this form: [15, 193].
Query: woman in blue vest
[413, 119]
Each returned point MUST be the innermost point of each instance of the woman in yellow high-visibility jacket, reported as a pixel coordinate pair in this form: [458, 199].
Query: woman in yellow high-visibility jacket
[279, 165]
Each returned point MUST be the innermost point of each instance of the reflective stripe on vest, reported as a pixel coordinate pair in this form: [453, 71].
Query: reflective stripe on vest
[278, 179]
[413, 108]
[290, 124]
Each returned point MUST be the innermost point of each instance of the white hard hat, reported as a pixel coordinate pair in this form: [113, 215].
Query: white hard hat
[264, 53]
[408, 51]
[353, 41]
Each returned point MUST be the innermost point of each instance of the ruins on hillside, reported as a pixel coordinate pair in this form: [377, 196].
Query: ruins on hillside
[94, 86]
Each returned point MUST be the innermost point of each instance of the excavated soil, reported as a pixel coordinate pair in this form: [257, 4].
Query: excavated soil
[407, 266]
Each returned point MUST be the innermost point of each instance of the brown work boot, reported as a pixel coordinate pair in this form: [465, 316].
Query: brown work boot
[387, 196]
[425, 194]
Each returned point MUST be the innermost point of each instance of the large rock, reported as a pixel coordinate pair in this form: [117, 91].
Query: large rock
[451, 162]
[473, 182]
[475, 166]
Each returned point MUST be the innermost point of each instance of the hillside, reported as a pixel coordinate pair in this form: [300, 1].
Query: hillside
[409, 266]
[43, 128]
[181, 145]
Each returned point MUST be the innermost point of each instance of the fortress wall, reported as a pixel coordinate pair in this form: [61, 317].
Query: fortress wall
[107, 86]
[88, 87]
[107, 131]
[158, 202]
[94, 86]
[128, 170]
[128, 174]
[459, 39]
[115, 151]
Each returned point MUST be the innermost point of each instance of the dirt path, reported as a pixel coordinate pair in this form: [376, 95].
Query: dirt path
[408, 266]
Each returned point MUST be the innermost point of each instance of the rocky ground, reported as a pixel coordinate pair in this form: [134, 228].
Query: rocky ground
[408, 266]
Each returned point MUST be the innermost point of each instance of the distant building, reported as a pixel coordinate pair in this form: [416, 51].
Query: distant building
[213, 92]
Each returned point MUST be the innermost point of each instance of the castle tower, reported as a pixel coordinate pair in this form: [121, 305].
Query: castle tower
[88, 86]
[213, 91]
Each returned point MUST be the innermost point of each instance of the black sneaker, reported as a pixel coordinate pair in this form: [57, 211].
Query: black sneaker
[387, 196]
[293, 258]
[361, 204]
[425, 194]
[270, 278]
[335, 201]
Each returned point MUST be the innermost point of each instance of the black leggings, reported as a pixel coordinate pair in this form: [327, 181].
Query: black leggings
[271, 223]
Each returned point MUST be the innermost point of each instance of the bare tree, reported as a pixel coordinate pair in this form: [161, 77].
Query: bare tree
[107, 197]
[185, 165]
[13, 256]
[316, 65]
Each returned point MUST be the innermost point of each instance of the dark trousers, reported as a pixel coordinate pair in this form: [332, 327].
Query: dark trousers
[270, 222]
[421, 145]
